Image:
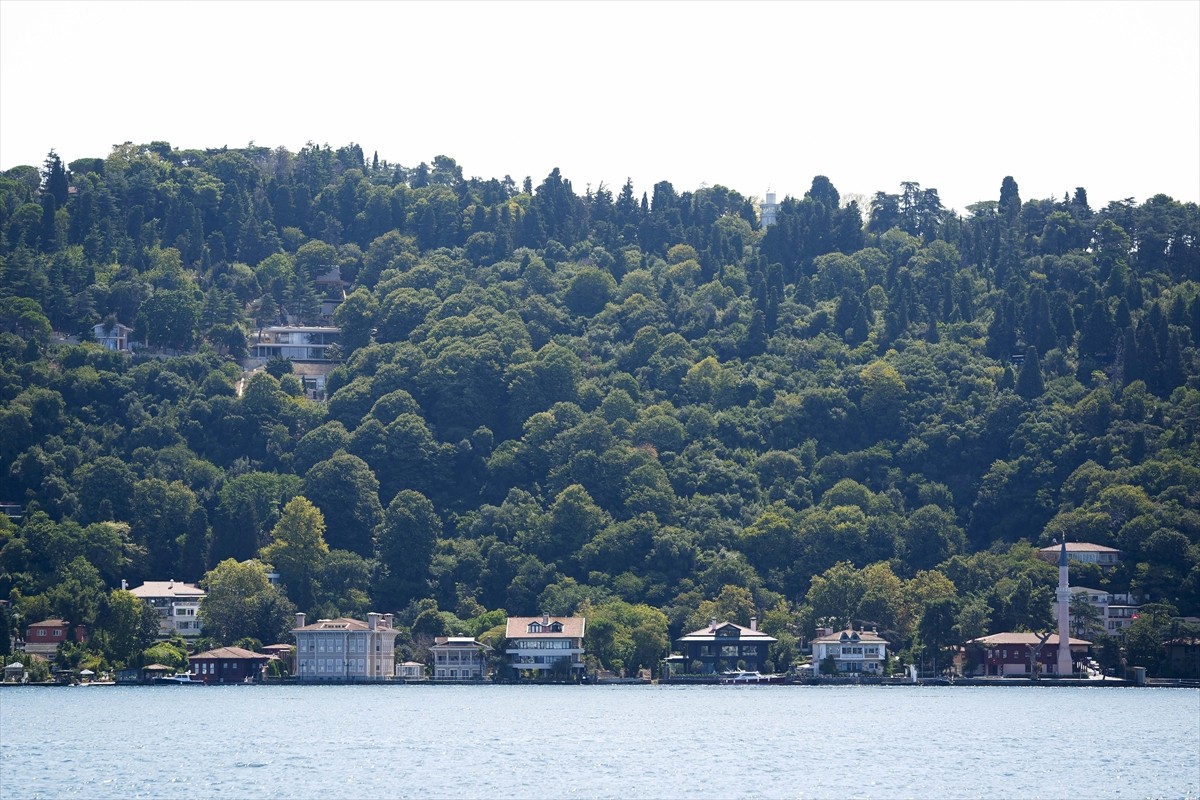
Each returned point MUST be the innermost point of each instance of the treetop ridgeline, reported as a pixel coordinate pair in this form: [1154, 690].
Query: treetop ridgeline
[645, 406]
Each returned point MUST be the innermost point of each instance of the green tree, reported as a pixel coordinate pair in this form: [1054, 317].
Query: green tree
[241, 602]
[1029, 379]
[298, 549]
[405, 540]
[347, 492]
[78, 593]
[170, 318]
[129, 626]
[356, 317]
[590, 291]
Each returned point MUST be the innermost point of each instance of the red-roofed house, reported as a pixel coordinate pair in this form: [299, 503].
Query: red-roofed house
[43, 638]
[1010, 653]
[544, 644]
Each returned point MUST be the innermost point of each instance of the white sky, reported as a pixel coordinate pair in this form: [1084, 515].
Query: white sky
[1104, 95]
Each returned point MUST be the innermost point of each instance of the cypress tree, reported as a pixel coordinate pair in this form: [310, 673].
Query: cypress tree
[55, 176]
[1029, 380]
[1131, 366]
[756, 335]
[1173, 374]
[1096, 338]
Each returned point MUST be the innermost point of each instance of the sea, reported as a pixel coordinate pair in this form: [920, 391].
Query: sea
[599, 742]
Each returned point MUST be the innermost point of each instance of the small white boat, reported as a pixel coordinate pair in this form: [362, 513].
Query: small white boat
[184, 679]
[738, 676]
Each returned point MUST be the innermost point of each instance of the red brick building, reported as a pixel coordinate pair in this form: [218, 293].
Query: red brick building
[43, 638]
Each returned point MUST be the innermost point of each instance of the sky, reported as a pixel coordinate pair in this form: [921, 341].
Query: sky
[754, 96]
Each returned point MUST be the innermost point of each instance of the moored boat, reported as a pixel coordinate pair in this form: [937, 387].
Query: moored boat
[185, 679]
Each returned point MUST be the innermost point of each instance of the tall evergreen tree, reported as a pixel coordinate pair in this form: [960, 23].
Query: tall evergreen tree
[1029, 379]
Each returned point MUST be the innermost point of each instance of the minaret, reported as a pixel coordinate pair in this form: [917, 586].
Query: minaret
[767, 210]
[1063, 595]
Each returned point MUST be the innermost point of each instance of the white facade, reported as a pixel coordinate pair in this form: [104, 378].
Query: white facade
[767, 210]
[459, 658]
[411, 671]
[295, 342]
[177, 604]
[863, 652]
[114, 338]
[1117, 611]
[345, 649]
[544, 644]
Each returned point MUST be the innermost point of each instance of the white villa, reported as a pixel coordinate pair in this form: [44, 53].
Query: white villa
[459, 658]
[545, 643]
[177, 604]
[852, 651]
[345, 649]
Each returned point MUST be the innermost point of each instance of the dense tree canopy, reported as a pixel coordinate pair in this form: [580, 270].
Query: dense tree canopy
[639, 406]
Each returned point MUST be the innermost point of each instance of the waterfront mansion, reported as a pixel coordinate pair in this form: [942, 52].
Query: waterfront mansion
[544, 645]
[345, 649]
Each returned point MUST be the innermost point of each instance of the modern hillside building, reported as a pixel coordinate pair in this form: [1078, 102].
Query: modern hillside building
[298, 343]
[1083, 552]
[177, 604]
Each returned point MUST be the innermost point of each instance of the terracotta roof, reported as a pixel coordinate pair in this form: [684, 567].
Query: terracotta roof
[1010, 637]
[168, 589]
[518, 627]
[1080, 547]
[231, 653]
[709, 633]
[850, 635]
[50, 622]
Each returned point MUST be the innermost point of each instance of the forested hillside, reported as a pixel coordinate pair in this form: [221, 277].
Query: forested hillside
[636, 403]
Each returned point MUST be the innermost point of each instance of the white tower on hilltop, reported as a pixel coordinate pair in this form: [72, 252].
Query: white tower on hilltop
[1063, 595]
[767, 210]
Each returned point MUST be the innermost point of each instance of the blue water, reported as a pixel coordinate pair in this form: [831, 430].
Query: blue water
[605, 742]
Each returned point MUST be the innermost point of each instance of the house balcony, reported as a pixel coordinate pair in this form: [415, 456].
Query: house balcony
[544, 662]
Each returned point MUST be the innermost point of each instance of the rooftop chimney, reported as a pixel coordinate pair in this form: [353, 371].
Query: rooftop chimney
[299, 619]
[754, 623]
[545, 618]
[372, 621]
[387, 620]
[712, 623]
[124, 584]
